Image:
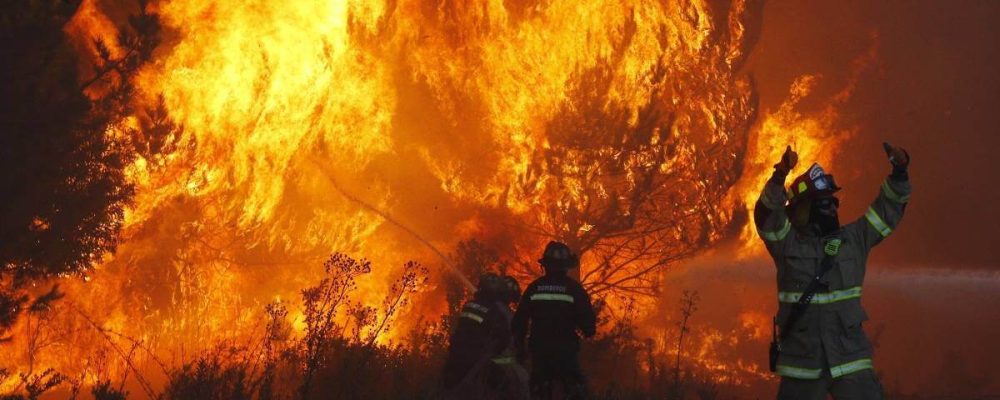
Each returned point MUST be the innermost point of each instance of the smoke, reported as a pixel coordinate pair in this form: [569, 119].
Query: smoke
[931, 327]
[516, 122]
[932, 89]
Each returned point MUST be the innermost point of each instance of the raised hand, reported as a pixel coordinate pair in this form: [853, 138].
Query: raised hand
[897, 155]
[788, 161]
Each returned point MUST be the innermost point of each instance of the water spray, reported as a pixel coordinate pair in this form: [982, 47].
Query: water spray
[389, 218]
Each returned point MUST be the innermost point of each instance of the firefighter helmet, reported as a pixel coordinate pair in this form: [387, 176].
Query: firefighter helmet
[492, 283]
[513, 289]
[812, 184]
[558, 255]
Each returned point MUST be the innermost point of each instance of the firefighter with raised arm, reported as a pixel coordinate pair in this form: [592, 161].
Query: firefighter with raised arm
[480, 362]
[819, 346]
[551, 311]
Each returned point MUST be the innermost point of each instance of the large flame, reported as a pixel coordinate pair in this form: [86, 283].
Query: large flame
[298, 128]
[815, 136]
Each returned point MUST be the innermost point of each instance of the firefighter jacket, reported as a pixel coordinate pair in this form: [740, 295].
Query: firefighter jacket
[829, 333]
[553, 307]
[482, 332]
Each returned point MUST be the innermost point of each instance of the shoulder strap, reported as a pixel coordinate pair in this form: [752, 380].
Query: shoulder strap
[830, 251]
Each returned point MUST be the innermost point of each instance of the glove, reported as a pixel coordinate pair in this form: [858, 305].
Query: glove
[897, 155]
[899, 159]
[788, 161]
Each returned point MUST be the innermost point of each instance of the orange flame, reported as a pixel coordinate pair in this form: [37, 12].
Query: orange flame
[434, 112]
[816, 137]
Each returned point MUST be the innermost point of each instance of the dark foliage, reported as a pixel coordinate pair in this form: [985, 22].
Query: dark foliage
[210, 378]
[104, 391]
[340, 355]
[63, 182]
[12, 304]
[34, 385]
[331, 360]
[64, 146]
[321, 304]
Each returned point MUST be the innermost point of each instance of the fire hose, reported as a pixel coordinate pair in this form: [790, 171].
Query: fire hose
[390, 219]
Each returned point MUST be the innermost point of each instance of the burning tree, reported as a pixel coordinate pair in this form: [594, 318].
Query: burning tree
[65, 145]
[637, 186]
[472, 260]
[614, 126]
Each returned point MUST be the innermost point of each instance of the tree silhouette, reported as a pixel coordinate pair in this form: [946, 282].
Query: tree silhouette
[64, 145]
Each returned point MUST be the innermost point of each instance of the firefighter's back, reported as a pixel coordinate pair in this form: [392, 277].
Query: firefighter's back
[554, 315]
[470, 342]
[551, 311]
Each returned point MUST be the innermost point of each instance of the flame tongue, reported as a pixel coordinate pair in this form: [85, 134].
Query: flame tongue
[257, 86]
[457, 118]
[455, 105]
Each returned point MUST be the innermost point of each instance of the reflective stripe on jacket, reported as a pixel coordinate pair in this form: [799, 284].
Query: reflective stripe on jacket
[552, 310]
[482, 332]
[831, 325]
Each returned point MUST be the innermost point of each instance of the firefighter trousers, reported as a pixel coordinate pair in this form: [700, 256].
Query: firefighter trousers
[549, 368]
[861, 385]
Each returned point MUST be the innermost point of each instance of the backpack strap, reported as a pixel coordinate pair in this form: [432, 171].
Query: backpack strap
[830, 251]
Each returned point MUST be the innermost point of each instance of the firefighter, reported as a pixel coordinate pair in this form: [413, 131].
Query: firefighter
[819, 344]
[551, 311]
[480, 362]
